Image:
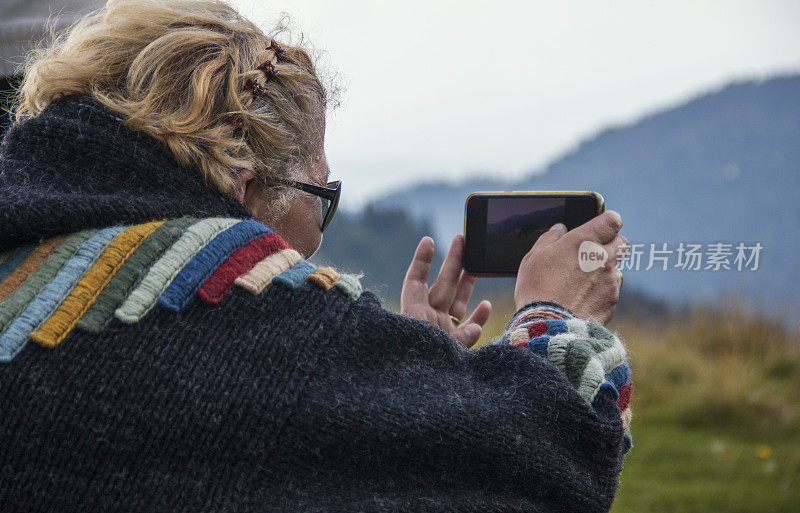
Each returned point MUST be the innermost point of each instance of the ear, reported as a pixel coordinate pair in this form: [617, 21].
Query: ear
[244, 180]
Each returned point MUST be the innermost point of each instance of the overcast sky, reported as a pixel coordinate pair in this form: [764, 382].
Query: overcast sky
[445, 89]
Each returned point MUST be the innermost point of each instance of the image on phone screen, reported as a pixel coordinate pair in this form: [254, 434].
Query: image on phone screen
[512, 227]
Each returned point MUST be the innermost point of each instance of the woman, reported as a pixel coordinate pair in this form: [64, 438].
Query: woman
[165, 346]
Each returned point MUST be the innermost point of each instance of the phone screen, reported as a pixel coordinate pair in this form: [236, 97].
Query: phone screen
[501, 229]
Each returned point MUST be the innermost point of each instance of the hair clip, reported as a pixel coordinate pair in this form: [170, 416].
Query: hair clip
[268, 68]
[255, 88]
[235, 120]
[276, 47]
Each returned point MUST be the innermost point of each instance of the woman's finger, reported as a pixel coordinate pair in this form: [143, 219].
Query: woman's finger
[555, 232]
[415, 284]
[469, 332]
[466, 283]
[600, 229]
[481, 313]
[443, 290]
[616, 250]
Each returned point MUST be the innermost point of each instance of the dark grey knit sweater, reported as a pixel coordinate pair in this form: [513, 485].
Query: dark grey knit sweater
[300, 396]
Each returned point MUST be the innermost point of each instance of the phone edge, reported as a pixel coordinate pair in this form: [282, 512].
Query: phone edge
[601, 207]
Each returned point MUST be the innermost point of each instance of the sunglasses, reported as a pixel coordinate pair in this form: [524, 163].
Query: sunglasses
[328, 194]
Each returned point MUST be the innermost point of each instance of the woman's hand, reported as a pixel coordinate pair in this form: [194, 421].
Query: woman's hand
[448, 296]
[550, 271]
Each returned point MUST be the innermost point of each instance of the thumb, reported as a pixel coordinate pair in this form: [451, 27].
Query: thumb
[550, 236]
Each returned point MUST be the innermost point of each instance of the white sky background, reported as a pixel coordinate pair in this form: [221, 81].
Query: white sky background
[443, 89]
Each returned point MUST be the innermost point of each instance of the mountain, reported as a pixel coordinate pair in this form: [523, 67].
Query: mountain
[721, 168]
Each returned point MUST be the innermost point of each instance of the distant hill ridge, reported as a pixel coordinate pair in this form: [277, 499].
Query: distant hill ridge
[724, 167]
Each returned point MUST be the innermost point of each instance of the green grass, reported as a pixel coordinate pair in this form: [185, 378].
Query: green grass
[673, 468]
[716, 423]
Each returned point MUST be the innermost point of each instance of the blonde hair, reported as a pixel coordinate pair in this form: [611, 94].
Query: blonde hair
[176, 70]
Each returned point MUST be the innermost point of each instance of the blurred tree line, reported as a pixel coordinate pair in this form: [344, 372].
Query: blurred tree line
[378, 242]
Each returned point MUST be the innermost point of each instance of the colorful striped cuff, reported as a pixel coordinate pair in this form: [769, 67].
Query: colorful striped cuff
[590, 356]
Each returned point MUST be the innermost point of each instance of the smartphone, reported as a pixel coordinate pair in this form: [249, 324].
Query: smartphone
[501, 227]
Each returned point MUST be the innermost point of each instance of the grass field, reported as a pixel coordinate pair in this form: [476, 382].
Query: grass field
[716, 424]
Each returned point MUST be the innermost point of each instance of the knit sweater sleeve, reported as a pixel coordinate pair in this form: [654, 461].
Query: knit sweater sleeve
[589, 355]
[399, 413]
